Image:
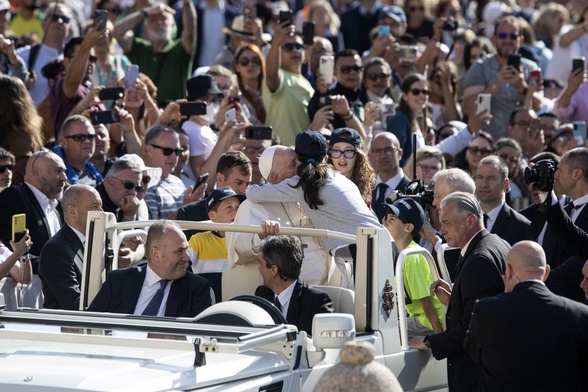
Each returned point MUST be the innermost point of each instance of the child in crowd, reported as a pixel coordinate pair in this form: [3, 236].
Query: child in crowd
[404, 219]
[208, 250]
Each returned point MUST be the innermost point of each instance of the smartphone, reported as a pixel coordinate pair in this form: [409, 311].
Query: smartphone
[383, 30]
[386, 109]
[192, 108]
[407, 53]
[514, 60]
[100, 18]
[535, 77]
[577, 63]
[233, 101]
[249, 11]
[258, 132]
[285, 16]
[324, 100]
[111, 93]
[534, 127]
[484, 101]
[326, 68]
[230, 115]
[19, 226]
[579, 128]
[308, 33]
[105, 117]
[200, 180]
[131, 76]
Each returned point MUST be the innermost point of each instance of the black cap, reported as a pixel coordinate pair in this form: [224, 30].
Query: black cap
[345, 135]
[408, 211]
[221, 194]
[202, 86]
[310, 146]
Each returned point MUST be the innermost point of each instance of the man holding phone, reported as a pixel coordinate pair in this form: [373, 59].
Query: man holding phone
[572, 105]
[494, 75]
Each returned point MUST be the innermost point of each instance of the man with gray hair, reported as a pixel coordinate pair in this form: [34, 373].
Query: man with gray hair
[478, 274]
[120, 188]
[491, 185]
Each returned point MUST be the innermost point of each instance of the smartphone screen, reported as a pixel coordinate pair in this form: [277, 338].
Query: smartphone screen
[131, 76]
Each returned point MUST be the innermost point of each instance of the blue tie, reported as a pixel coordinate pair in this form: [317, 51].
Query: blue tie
[378, 202]
[155, 303]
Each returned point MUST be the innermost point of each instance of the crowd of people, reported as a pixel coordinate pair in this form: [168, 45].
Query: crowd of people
[312, 114]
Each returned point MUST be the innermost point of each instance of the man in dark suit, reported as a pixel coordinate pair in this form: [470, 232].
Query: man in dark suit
[491, 185]
[281, 261]
[161, 288]
[62, 258]
[478, 274]
[38, 198]
[385, 155]
[515, 335]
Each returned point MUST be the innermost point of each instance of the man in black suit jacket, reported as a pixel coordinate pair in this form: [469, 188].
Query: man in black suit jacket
[491, 185]
[385, 155]
[38, 198]
[479, 274]
[134, 290]
[281, 261]
[62, 258]
[515, 335]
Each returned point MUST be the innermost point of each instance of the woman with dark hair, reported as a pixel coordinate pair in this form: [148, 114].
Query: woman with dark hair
[477, 49]
[443, 95]
[419, 20]
[480, 147]
[249, 66]
[20, 124]
[377, 91]
[329, 199]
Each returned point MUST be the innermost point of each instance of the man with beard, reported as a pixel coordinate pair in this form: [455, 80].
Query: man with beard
[38, 198]
[160, 55]
[493, 75]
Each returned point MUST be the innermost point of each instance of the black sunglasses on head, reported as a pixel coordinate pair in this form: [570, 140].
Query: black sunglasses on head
[168, 151]
[4, 167]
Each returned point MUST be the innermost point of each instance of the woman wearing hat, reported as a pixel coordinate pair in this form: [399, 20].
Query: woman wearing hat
[328, 198]
[346, 155]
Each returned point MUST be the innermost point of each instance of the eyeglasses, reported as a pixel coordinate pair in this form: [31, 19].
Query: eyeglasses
[508, 158]
[82, 137]
[416, 91]
[128, 185]
[372, 77]
[253, 150]
[168, 151]
[345, 69]
[244, 61]
[145, 180]
[387, 150]
[4, 167]
[60, 18]
[413, 9]
[522, 123]
[511, 36]
[482, 151]
[291, 46]
[427, 168]
[349, 154]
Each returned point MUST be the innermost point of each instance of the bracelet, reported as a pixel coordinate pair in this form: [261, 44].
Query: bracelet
[349, 115]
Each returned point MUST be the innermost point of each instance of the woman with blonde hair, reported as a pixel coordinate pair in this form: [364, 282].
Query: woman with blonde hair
[20, 124]
[548, 21]
[326, 23]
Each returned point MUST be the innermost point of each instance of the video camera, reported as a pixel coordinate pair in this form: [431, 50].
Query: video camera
[541, 175]
[415, 190]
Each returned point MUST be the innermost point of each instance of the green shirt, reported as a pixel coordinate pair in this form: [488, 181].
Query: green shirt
[177, 66]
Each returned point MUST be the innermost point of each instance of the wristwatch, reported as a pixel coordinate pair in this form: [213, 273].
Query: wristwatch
[427, 341]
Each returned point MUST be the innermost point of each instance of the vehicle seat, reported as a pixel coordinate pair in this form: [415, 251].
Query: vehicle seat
[343, 299]
[240, 279]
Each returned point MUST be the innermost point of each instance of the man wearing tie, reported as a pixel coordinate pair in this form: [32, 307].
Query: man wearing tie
[280, 264]
[385, 154]
[163, 287]
[478, 274]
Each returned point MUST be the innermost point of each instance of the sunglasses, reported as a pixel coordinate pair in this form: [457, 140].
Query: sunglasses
[349, 154]
[244, 61]
[291, 46]
[416, 91]
[4, 167]
[60, 18]
[168, 151]
[128, 185]
[345, 69]
[512, 36]
[81, 138]
[482, 151]
[413, 9]
[507, 158]
[145, 180]
[372, 77]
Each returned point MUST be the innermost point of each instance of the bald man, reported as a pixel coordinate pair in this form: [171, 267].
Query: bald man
[38, 198]
[529, 338]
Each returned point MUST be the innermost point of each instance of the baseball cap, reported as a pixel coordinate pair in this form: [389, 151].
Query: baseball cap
[394, 12]
[310, 146]
[266, 161]
[154, 173]
[345, 135]
[202, 86]
[4, 5]
[221, 194]
[408, 211]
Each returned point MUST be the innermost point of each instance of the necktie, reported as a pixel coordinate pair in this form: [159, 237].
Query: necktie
[485, 220]
[155, 303]
[569, 208]
[277, 303]
[380, 198]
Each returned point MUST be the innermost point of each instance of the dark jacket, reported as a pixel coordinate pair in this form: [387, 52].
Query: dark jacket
[511, 226]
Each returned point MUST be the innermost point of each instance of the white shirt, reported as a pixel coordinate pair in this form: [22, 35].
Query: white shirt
[581, 202]
[150, 286]
[463, 250]
[213, 20]
[45, 54]
[80, 235]
[392, 182]
[492, 216]
[285, 296]
[49, 209]
[202, 141]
